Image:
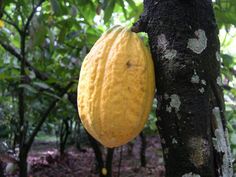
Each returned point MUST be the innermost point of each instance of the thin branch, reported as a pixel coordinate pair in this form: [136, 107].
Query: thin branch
[8, 16]
[32, 15]
[45, 115]
[11, 50]
[109, 157]
[13, 24]
[1, 9]
[21, 97]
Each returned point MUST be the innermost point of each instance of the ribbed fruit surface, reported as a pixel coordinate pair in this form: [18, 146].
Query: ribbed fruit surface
[116, 87]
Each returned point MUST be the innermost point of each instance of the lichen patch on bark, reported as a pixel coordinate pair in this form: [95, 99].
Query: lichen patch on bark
[195, 79]
[174, 141]
[198, 44]
[203, 82]
[162, 42]
[202, 90]
[200, 151]
[218, 57]
[170, 54]
[219, 81]
[166, 96]
[220, 143]
[175, 102]
[168, 108]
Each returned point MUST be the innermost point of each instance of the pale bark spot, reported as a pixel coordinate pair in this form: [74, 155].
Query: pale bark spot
[218, 57]
[170, 54]
[203, 82]
[175, 102]
[195, 79]
[221, 144]
[168, 108]
[174, 141]
[162, 42]
[178, 116]
[166, 96]
[166, 151]
[219, 81]
[163, 141]
[198, 44]
[202, 90]
[191, 175]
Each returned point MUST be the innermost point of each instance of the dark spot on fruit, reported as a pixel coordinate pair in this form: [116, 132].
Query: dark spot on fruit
[128, 64]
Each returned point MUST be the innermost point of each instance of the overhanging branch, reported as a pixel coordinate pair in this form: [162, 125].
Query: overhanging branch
[45, 115]
[12, 24]
[15, 53]
[11, 50]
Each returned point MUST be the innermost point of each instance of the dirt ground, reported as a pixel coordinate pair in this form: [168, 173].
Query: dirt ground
[45, 161]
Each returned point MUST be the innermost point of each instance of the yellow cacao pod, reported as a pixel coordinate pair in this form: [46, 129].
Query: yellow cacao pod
[116, 87]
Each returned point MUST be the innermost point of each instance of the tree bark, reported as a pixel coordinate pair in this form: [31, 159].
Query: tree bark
[23, 163]
[97, 152]
[64, 133]
[1, 169]
[183, 38]
[22, 109]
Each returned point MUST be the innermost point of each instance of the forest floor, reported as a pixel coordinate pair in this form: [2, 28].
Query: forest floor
[45, 161]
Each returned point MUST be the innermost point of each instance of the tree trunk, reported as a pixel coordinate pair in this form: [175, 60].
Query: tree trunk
[97, 152]
[23, 163]
[143, 150]
[64, 133]
[109, 158]
[1, 169]
[185, 50]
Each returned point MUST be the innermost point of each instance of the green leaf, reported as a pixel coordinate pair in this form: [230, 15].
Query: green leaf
[73, 11]
[233, 138]
[52, 39]
[42, 85]
[4, 35]
[132, 4]
[83, 2]
[87, 12]
[2, 70]
[28, 87]
[62, 34]
[109, 10]
[38, 36]
[56, 8]
[121, 2]
[104, 3]
[52, 95]
[227, 60]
